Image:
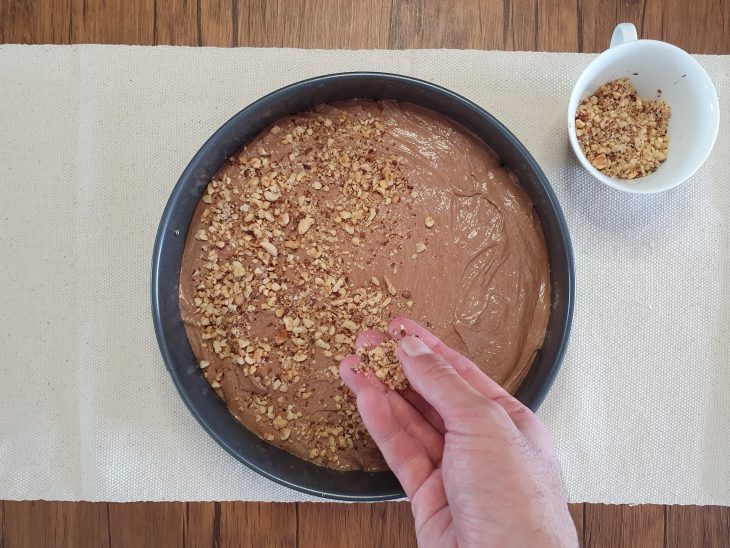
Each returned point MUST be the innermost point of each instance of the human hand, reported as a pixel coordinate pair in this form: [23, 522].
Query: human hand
[478, 466]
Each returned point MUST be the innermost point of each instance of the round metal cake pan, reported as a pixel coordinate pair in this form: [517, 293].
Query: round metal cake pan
[202, 401]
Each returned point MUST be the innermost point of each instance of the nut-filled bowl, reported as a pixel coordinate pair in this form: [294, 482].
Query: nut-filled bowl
[658, 71]
[203, 402]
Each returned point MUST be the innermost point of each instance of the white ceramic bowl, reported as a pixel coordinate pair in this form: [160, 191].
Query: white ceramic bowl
[656, 70]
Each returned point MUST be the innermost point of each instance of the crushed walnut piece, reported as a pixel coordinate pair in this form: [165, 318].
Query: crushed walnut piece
[265, 254]
[382, 361]
[621, 134]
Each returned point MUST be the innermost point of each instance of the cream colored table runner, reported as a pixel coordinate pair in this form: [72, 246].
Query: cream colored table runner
[92, 140]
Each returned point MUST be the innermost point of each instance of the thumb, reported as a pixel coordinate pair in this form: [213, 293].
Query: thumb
[438, 382]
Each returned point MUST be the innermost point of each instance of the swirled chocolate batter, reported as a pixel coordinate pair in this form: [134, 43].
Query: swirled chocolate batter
[334, 221]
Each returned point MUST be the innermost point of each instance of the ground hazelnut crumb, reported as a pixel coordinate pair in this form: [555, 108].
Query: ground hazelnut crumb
[621, 134]
[382, 361]
[389, 285]
[267, 246]
[304, 225]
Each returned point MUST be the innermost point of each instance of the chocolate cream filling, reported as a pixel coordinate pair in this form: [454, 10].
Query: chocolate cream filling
[460, 250]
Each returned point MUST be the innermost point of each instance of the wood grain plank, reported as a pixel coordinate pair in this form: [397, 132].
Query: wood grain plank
[557, 24]
[24, 523]
[355, 525]
[199, 523]
[79, 524]
[599, 17]
[35, 22]
[613, 526]
[216, 19]
[147, 524]
[313, 23]
[585, 25]
[697, 26]
[472, 24]
[113, 22]
[257, 525]
[697, 526]
[577, 512]
[42, 523]
[520, 25]
[176, 22]
[652, 15]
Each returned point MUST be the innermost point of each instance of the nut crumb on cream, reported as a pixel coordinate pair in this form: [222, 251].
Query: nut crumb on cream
[382, 361]
[294, 272]
[621, 134]
[304, 239]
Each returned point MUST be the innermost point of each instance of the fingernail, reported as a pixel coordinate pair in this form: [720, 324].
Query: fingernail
[413, 346]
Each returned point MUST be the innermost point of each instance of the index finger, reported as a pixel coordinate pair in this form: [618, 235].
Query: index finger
[405, 455]
[467, 369]
[409, 444]
[371, 338]
[400, 327]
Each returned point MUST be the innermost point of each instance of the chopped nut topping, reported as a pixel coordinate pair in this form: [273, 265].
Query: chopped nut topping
[622, 135]
[391, 288]
[304, 225]
[350, 326]
[429, 222]
[269, 247]
[382, 360]
[270, 251]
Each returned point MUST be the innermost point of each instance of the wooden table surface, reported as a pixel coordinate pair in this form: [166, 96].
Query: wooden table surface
[700, 26]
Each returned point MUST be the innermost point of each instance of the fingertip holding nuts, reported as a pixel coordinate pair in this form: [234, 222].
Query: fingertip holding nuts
[270, 251]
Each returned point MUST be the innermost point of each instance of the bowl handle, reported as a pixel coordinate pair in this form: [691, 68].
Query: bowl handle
[625, 32]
